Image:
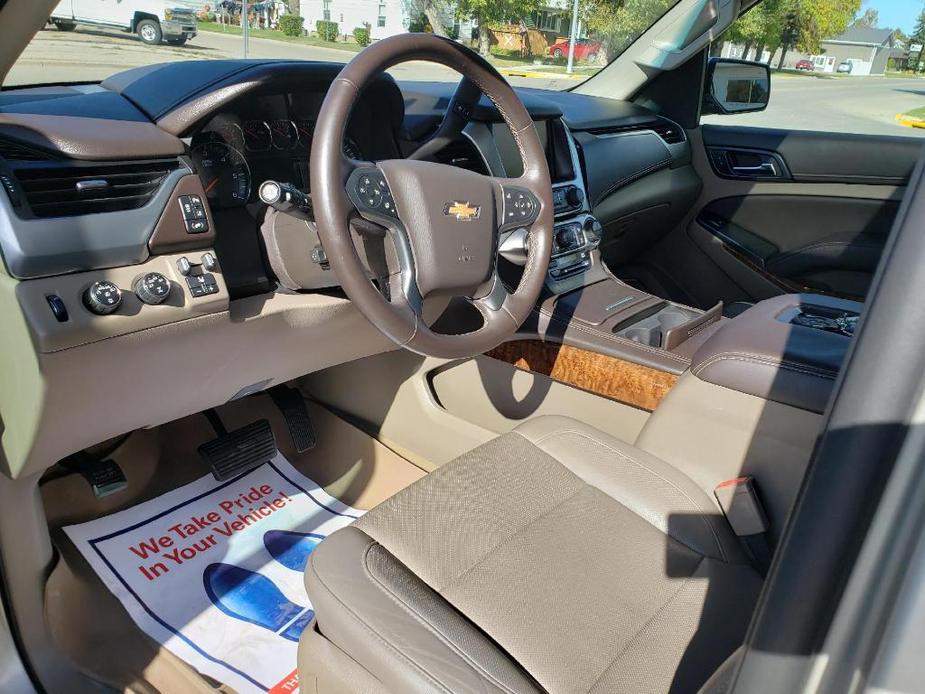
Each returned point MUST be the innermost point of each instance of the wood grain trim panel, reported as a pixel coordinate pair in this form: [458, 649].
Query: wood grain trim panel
[610, 377]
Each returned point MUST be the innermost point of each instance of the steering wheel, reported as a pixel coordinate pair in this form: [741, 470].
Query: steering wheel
[445, 222]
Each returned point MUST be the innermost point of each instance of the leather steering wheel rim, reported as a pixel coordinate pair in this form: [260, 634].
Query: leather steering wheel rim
[445, 222]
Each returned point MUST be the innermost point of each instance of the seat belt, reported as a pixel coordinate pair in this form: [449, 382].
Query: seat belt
[745, 514]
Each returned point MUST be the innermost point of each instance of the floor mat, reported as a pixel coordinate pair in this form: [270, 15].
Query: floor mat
[213, 571]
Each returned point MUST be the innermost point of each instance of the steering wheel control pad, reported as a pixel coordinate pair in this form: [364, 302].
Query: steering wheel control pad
[450, 218]
[370, 194]
[520, 208]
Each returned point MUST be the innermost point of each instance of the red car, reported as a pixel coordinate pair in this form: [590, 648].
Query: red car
[585, 49]
[805, 65]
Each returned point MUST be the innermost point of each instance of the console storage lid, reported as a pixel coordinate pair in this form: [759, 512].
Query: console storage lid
[787, 349]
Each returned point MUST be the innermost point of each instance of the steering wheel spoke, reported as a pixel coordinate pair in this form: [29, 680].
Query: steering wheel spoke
[371, 197]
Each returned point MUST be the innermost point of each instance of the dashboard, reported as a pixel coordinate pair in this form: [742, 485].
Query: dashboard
[139, 267]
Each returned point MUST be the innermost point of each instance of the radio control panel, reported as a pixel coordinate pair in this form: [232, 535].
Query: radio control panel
[573, 243]
[567, 198]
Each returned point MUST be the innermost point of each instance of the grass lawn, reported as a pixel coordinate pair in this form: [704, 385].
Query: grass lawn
[278, 36]
[916, 113]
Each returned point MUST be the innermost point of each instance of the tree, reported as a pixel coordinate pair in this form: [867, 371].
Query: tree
[869, 19]
[918, 34]
[487, 12]
[808, 22]
[617, 23]
[436, 12]
[760, 26]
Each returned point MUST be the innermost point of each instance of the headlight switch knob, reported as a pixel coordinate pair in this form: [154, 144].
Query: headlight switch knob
[102, 297]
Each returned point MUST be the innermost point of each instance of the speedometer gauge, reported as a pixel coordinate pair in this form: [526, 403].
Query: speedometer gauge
[224, 173]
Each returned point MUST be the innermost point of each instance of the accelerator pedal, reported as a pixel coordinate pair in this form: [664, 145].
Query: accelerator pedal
[291, 403]
[236, 452]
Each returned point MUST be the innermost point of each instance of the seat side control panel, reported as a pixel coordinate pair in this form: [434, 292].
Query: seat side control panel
[194, 214]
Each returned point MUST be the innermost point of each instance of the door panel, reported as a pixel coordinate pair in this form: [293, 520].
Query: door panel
[820, 157]
[827, 244]
[818, 224]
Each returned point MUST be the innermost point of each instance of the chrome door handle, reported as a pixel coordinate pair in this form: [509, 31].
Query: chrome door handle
[763, 168]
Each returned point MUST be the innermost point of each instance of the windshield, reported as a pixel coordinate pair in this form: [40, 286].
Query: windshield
[552, 44]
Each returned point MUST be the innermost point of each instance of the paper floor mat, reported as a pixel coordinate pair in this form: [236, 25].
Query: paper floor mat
[213, 570]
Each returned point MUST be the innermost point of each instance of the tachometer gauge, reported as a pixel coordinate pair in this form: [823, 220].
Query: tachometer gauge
[284, 134]
[257, 136]
[306, 129]
[224, 173]
[352, 149]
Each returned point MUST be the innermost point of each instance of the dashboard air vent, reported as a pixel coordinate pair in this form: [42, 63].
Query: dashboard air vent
[13, 151]
[68, 191]
[669, 132]
[462, 154]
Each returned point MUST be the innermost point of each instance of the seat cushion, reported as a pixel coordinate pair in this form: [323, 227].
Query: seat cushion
[554, 558]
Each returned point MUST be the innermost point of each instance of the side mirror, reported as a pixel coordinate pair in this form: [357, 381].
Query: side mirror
[736, 86]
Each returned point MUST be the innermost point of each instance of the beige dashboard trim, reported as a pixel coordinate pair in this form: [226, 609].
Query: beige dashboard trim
[53, 404]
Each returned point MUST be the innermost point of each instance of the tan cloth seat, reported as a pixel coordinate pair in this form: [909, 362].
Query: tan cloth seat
[555, 558]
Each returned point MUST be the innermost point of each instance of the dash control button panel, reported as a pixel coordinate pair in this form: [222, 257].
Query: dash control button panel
[202, 285]
[194, 214]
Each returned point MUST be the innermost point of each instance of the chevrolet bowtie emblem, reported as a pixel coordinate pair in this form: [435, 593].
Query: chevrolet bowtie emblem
[463, 211]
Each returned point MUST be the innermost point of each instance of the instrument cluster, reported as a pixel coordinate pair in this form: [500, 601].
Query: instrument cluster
[233, 155]
[279, 135]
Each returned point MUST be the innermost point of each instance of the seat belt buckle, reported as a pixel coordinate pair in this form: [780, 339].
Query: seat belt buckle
[739, 501]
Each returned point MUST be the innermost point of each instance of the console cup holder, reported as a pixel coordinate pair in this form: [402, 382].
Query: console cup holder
[652, 329]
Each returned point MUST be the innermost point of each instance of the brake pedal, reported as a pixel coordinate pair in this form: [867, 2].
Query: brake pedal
[291, 403]
[236, 452]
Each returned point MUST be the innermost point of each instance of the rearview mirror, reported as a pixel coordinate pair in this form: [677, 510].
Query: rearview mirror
[736, 86]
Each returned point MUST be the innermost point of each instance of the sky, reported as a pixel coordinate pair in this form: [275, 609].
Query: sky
[896, 14]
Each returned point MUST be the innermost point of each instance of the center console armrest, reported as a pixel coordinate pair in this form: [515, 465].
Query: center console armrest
[788, 349]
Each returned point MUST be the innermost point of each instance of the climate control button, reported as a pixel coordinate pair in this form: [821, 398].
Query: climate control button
[152, 288]
[102, 297]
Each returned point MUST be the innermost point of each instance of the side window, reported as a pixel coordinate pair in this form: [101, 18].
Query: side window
[835, 66]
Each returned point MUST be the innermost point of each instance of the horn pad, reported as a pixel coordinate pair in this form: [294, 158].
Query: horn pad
[451, 219]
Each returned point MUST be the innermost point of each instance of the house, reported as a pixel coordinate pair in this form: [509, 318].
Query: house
[553, 19]
[866, 48]
[384, 18]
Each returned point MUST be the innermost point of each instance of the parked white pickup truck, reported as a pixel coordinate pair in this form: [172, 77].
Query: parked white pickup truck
[153, 20]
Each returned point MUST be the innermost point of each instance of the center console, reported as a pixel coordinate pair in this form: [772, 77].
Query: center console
[583, 303]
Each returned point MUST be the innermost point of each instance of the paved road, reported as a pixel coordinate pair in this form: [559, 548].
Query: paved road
[847, 104]
[851, 104]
